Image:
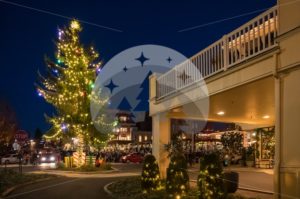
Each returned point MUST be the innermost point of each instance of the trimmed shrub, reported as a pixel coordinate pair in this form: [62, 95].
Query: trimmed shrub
[177, 183]
[150, 179]
[210, 179]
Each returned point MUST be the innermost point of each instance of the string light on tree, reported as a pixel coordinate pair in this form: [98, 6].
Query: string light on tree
[69, 85]
[150, 179]
[210, 178]
[75, 25]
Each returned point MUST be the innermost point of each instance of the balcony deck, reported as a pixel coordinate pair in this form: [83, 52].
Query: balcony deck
[251, 39]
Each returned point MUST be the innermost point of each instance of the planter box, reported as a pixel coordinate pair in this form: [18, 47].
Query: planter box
[231, 181]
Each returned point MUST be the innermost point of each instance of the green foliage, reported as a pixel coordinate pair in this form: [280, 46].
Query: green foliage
[61, 165]
[177, 182]
[86, 168]
[105, 166]
[232, 142]
[244, 156]
[150, 179]
[177, 162]
[210, 179]
[267, 142]
[175, 147]
[250, 153]
[69, 86]
[130, 188]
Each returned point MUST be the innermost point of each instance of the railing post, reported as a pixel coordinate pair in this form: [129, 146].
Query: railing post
[225, 52]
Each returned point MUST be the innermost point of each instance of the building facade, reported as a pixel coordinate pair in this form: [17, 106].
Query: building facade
[252, 76]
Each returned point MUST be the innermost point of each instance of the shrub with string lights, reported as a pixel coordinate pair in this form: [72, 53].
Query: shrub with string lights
[177, 182]
[150, 179]
[210, 178]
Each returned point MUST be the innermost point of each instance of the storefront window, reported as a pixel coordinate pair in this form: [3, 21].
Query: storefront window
[199, 135]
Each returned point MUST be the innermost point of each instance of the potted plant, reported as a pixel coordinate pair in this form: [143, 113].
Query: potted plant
[244, 157]
[250, 156]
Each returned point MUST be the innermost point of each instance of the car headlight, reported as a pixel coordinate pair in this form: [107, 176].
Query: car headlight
[43, 159]
[52, 158]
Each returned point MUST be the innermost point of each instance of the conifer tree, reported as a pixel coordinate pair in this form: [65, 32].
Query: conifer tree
[68, 86]
[177, 182]
[210, 179]
[150, 179]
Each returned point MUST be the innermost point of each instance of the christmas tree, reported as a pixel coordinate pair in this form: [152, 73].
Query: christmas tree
[68, 86]
[177, 183]
[210, 179]
[150, 179]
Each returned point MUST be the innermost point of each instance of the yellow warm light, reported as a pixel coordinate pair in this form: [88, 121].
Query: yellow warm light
[266, 117]
[75, 25]
[221, 113]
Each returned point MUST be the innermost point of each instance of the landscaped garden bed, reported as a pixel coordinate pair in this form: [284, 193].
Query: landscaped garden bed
[131, 188]
[86, 168]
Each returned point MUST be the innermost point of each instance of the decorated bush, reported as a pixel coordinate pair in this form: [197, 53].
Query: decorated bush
[177, 183]
[210, 179]
[150, 179]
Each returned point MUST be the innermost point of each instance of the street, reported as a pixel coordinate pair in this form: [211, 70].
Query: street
[65, 187]
[72, 185]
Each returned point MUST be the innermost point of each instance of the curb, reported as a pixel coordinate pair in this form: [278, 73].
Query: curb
[248, 189]
[256, 190]
[237, 170]
[105, 188]
[249, 169]
[11, 189]
[113, 168]
[79, 172]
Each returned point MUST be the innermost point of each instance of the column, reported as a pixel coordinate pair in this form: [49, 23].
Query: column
[161, 136]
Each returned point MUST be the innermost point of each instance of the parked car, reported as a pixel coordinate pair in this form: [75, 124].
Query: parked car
[233, 159]
[10, 159]
[133, 157]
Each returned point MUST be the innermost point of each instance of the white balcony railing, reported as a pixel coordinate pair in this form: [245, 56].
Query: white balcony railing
[255, 37]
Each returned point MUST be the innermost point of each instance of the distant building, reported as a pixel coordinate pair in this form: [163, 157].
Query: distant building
[128, 132]
[123, 132]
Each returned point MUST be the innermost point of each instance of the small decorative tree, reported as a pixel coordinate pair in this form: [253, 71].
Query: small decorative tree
[210, 179]
[267, 142]
[150, 179]
[177, 183]
[232, 143]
